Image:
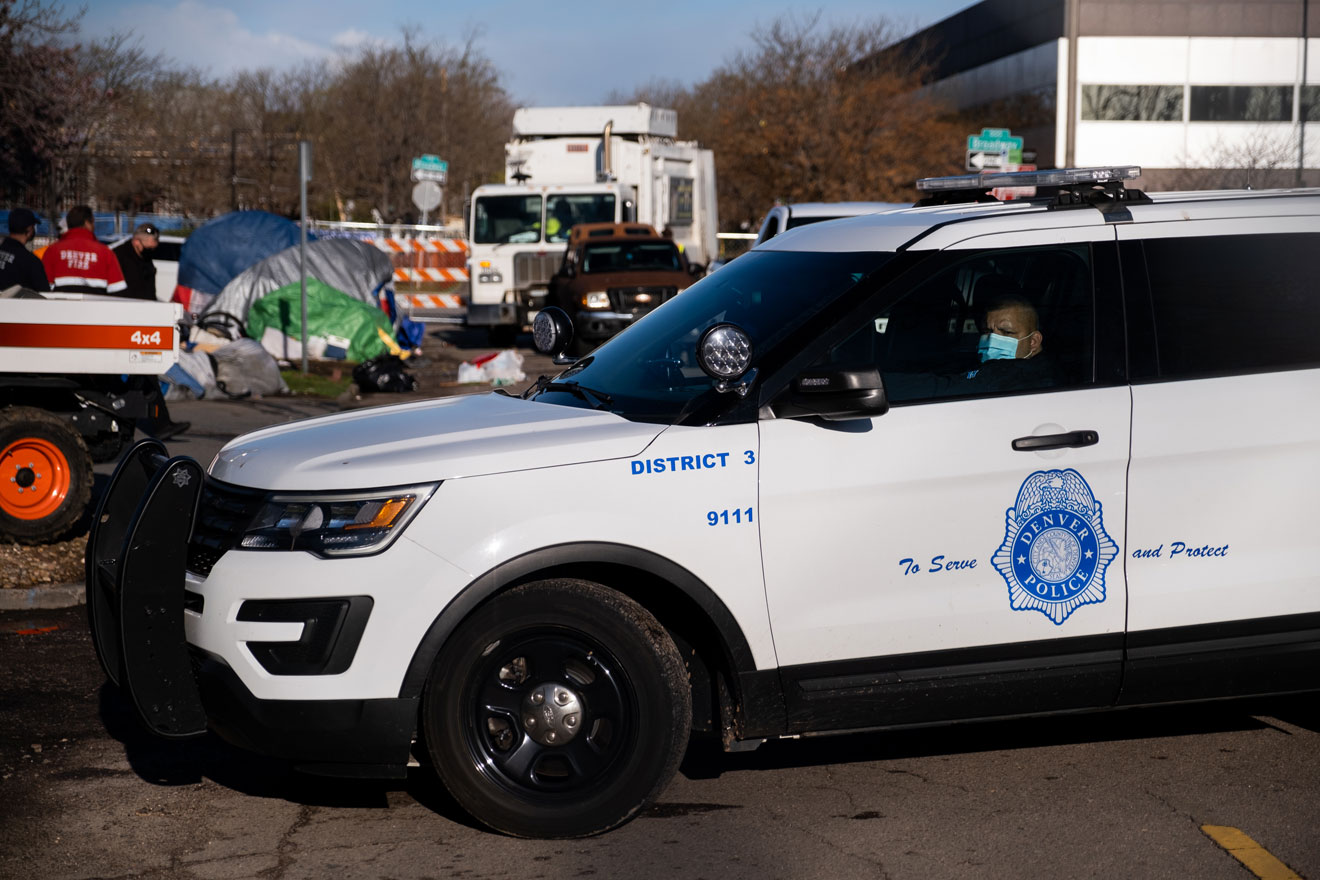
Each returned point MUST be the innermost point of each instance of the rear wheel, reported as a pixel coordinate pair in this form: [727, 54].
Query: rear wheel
[45, 475]
[559, 709]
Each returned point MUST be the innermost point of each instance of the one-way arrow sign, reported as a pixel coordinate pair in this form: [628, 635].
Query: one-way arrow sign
[979, 160]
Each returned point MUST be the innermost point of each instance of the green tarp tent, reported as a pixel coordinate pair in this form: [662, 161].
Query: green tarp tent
[330, 312]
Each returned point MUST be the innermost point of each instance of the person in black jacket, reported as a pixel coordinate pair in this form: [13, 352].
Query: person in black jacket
[135, 260]
[1011, 356]
[18, 265]
[1012, 349]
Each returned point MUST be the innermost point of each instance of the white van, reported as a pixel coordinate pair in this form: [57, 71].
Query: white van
[960, 461]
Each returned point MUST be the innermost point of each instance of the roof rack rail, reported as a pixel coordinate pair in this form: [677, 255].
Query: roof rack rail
[1101, 188]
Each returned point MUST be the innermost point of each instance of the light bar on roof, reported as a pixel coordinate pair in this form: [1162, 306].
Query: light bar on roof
[1053, 177]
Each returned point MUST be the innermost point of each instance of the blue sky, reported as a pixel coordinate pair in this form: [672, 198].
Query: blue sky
[547, 53]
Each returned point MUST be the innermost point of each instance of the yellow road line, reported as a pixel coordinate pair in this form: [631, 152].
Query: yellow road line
[1251, 854]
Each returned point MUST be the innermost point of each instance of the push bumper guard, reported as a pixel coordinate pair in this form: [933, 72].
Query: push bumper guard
[137, 553]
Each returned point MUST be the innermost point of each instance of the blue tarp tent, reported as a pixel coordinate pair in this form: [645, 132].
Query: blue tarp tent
[222, 248]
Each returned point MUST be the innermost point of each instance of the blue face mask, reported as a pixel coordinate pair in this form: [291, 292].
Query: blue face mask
[994, 347]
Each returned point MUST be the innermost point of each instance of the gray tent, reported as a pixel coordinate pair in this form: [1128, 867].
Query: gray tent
[357, 268]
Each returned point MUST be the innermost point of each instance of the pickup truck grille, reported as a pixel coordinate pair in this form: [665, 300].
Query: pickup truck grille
[223, 512]
[638, 300]
[534, 270]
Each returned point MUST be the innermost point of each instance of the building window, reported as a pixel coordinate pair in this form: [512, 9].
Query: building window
[1310, 109]
[1145, 103]
[1241, 103]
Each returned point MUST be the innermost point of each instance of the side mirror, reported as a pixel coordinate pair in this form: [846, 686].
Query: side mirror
[552, 333]
[696, 270]
[834, 394]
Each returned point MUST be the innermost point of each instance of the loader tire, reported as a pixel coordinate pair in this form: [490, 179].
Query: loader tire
[45, 476]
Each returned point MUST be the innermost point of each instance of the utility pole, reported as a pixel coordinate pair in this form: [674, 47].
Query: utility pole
[304, 175]
[234, 179]
[1072, 24]
[233, 169]
[1303, 109]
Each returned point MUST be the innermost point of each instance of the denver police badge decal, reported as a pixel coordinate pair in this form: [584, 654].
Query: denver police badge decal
[1055, 548]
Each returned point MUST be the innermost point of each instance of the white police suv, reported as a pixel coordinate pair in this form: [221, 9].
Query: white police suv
[964, 460]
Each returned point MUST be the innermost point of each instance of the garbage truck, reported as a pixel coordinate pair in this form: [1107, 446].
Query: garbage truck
[71, 372]
[570, 165]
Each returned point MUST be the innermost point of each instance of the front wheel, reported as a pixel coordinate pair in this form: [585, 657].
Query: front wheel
[45, 475]
[560, 709]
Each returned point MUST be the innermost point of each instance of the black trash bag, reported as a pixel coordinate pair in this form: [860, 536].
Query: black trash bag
[383, 373]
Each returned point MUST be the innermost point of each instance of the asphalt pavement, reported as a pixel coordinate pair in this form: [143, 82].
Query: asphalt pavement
[88, 794]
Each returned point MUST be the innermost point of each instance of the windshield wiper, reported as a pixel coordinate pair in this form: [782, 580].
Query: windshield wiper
[597, 399]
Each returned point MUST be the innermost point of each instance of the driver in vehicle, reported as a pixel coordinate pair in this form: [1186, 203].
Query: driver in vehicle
[1011, 349]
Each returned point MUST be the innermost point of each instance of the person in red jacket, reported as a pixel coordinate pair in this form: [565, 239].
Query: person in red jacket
[78, 263]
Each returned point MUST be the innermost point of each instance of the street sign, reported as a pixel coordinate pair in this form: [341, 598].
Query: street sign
[426, 195]
[981, 160]
[430, 167]
[993, 141]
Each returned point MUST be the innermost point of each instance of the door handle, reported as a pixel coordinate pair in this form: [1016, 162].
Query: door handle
[1040, 442]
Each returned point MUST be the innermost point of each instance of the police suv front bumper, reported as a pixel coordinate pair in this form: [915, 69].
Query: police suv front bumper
[137, 556]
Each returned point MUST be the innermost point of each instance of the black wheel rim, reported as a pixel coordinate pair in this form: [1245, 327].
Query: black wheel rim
[498, 699]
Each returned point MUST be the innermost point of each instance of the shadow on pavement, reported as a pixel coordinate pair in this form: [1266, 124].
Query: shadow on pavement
[186, 762]
[706, 760]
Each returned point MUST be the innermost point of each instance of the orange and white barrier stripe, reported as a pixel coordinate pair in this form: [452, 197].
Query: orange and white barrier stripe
[450, 276]
[429, 300]
[421, 245]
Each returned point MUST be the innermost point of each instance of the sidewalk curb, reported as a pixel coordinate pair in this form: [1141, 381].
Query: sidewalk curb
[45, 596]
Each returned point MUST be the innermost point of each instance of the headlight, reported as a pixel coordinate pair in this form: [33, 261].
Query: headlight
[596, 299]
[340, 524]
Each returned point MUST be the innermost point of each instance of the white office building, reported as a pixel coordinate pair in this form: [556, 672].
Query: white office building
[1198, 93]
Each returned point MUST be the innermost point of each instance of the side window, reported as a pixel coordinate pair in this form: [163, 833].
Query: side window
[1234, 303]
[983, 323]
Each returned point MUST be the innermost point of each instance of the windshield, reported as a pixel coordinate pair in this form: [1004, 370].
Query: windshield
[562, 212]
[630, 256]
[649, 372]
[503, 219]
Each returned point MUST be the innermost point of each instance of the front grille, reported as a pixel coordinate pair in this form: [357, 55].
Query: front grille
[534, 270]
[222, 514]
[638, 300]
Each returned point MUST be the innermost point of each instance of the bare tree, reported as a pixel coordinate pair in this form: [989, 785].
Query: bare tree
[1262, 158]
[819, 115]
[809, 114]
[40, 85]
[390, 104]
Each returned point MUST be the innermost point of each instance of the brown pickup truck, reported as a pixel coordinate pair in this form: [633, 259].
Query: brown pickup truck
[612, 274]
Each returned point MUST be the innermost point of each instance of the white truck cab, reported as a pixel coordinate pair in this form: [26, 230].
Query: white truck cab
[570, 165]
[962, 461]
